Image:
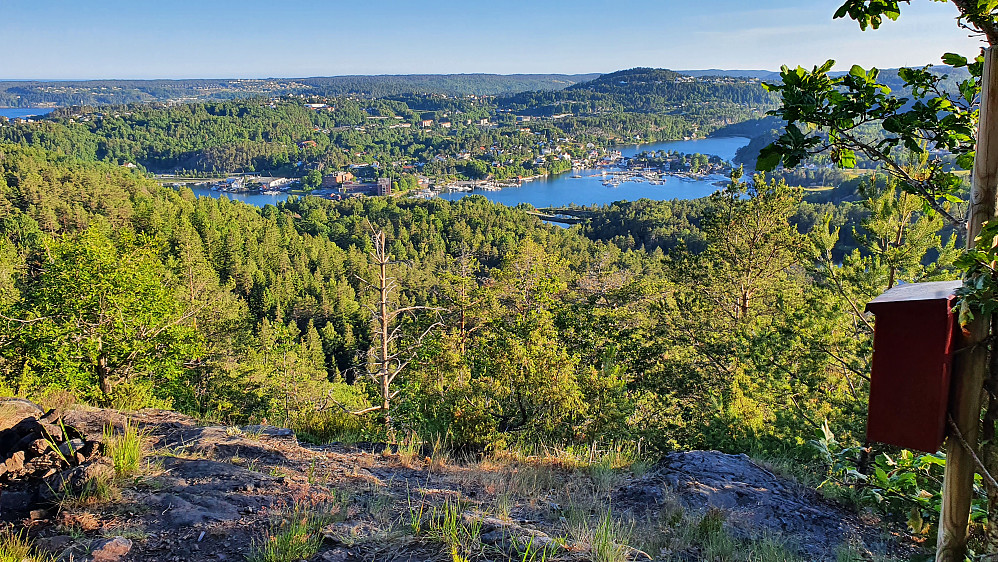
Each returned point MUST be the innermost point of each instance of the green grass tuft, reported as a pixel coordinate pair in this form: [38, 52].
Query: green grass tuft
[125, 448]
[15, 548]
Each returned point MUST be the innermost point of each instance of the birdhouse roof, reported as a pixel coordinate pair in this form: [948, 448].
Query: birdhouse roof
[936, 290]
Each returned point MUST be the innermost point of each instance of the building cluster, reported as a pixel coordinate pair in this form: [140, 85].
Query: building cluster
[264, 184]
[343, 183]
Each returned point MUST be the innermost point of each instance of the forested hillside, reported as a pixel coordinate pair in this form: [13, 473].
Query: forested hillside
[124, 293]
[28, 93]
[471, 136]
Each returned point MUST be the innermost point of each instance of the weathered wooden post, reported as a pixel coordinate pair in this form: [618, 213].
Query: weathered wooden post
[970, 362]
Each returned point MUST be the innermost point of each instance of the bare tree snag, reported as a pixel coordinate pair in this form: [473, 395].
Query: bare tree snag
[393, 352]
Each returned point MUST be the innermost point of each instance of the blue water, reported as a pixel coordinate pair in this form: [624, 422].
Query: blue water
[12, 112]
[725, 147]
[587, 190]
[257, 199]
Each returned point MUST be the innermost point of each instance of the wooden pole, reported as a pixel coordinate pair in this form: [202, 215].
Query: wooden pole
[971, 361]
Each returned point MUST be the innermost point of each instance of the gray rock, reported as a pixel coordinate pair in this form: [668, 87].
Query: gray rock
[15, 410]
[15, 501]
[184, 510]
[38, 447]
[70, 447]
[77, 478]
[755, 502]
[54, 545]
[335, 555]
[267, 430]
[111, 550]
[15, 462]
[52, 431]
[21, 434]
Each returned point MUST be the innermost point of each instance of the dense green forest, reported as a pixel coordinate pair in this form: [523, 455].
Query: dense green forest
[33, 93]
[125, 293]
[285, 137]
[733, 322]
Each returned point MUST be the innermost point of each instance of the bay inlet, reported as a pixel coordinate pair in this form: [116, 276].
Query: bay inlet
[567, 189]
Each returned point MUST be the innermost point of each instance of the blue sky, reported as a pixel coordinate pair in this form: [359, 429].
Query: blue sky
[63, 39]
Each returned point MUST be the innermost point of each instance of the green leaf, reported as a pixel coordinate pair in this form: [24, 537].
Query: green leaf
[881, 475]
[845, 158]
[954, 60]
[915, 522]
[769, 158]
[965, 160]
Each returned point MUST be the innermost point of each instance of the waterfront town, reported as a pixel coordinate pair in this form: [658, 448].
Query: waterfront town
[474, 148]
[613, 169]
[413, 179]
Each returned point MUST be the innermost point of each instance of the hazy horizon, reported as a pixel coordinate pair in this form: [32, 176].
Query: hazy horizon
[184, 78]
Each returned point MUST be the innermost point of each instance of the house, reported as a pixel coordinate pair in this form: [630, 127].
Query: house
[445, 124]
[315, 105]
[307, 143]
[384, 186]
[272, 183]
[381, 187]
[426, 122]
[339, 178]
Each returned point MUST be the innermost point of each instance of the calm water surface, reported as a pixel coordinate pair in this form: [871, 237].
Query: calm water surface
[587, 190]
[12, 112]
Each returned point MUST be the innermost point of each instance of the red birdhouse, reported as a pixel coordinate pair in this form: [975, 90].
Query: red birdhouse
[913, 343]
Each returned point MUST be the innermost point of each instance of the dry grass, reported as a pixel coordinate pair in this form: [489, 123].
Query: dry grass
[567, 493]
[296, 533]
[96, 492]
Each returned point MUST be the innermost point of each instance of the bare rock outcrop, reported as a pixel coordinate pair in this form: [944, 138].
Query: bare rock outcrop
[752, 501]
[40, 457]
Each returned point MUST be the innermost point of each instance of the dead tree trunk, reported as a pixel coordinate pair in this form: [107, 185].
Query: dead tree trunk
[393, 351]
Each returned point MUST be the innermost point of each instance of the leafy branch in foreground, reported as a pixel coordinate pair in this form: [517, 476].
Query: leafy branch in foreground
[835, 114]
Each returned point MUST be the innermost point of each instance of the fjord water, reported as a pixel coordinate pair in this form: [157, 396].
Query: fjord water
[587, 190]
[12, 112]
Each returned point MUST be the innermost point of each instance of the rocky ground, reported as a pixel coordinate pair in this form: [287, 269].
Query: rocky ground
[226, 493]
